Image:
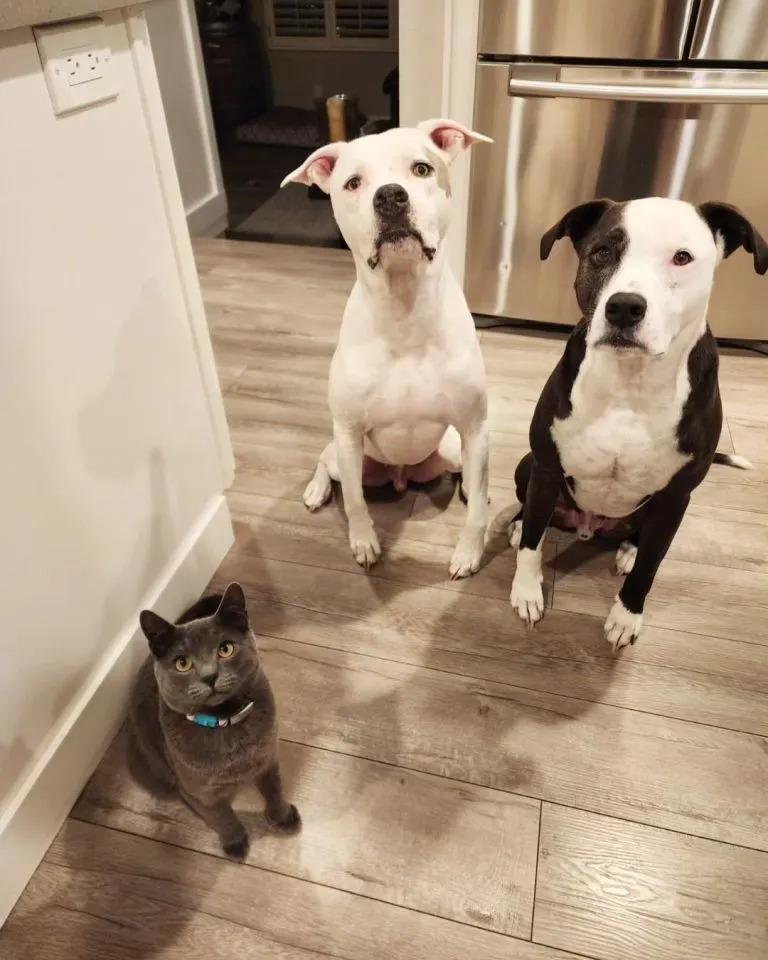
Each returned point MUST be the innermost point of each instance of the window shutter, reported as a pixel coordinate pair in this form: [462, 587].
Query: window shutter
[358, 19]
[299, 18]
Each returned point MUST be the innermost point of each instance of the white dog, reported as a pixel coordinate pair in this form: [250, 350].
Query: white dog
[407, 384]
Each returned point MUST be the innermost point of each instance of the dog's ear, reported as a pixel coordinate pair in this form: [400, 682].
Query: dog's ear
[318, 166]
[736, 231]
[576, 224]
[451, 137]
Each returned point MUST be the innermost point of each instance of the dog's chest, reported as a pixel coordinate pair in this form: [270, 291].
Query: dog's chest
[412, 389]
[620, 450]
[408, 402]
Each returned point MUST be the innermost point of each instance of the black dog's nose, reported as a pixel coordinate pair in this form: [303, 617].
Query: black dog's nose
[390, 200]
[625, 309]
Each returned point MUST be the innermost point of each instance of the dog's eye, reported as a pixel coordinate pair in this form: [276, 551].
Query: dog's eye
[226, 650]
[183, 664]
[681, 258]
[353, 183]
[600, 256]
[422, 169]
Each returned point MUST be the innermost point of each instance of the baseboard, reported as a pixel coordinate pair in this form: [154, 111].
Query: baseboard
[35, 813]
[207, 214]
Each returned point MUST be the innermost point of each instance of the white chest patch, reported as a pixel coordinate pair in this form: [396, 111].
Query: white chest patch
[620, 442]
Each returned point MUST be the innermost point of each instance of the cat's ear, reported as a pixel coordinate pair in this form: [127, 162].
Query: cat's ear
[232, 610]
[158, 632]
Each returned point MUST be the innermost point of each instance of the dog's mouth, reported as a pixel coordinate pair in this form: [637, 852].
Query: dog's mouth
[404, 242]
[620, 341]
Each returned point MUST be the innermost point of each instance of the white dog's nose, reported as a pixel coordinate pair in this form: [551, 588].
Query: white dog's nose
[390, 200]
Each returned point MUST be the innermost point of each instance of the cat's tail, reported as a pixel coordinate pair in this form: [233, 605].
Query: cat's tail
[733, 460]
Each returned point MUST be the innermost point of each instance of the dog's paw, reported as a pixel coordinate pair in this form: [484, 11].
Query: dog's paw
[237, 848]
[515, 532]
[468, 554]
[363, 541]
[527, 597]
[625, 558]
[318, 492]
[622, 626]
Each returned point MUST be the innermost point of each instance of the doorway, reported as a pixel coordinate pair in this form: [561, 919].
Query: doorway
[271, 66]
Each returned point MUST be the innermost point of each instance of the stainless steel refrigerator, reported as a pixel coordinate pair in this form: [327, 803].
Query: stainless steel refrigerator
[601, 98]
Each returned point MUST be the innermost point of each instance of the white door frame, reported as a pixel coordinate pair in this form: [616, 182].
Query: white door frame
[437, 56]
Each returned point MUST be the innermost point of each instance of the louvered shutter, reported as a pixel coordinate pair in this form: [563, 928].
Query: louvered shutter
[298, 18]
[362, 19]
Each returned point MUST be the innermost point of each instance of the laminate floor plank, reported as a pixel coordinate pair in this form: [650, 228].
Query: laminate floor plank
[688, 676]
[695, 597]
[453, 850]
[109, 895]
[683, 776]
[621, 891]
[413, 551]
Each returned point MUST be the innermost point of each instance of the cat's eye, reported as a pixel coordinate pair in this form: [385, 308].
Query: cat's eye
[226, 650]
[681, 258]
[422, 169]
[183, 664]
[353, 183]
[600, 256]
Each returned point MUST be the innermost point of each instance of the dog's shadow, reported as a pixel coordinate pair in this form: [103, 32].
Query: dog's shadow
[507, 683]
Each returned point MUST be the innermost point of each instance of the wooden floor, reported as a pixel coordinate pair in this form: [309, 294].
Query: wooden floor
[470, 790]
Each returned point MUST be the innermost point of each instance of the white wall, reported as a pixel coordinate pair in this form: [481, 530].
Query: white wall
[115, 451]
[178, 58]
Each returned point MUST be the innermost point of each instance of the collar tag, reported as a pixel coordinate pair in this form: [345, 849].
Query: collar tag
[213, 722]
[203, 719]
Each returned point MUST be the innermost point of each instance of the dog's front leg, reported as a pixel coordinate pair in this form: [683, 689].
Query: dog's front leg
[527, 596]
[474, 456]
[660, 523]
[349, 453]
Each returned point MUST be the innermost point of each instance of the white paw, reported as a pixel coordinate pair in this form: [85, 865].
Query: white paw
[625, 558]
[468, 553]
[622, 627]
[317, 493]
[514, 532]
[363, 542]
[527, 597]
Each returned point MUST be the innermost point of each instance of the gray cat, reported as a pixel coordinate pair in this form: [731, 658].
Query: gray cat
[202, 717]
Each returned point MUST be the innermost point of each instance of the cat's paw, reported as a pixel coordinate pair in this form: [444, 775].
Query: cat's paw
[237, 849]
[287, 820]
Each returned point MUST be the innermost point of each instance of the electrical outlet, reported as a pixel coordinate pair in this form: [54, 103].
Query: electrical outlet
[76, 62]
[81, 67]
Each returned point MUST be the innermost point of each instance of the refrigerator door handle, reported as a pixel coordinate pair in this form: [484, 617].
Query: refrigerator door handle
[543, 80]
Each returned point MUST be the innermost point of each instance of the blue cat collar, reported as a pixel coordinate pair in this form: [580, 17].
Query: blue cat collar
[211, 721]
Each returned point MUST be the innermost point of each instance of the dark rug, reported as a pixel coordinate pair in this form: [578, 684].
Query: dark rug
[291, 216]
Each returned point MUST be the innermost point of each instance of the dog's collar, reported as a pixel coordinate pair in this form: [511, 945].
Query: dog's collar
[212, 721]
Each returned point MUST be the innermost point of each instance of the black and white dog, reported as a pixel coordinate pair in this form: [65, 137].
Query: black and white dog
[627, 424]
